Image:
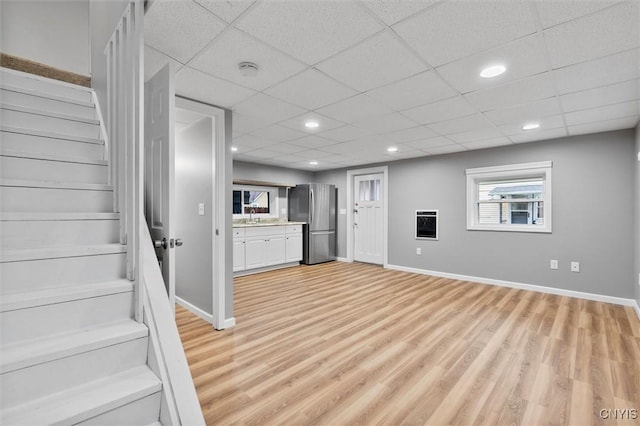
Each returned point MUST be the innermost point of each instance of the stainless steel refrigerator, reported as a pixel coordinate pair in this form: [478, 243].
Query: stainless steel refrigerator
[315, 204]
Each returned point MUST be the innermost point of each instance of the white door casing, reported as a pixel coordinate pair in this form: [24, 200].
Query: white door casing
[368, 218]
[159, 164]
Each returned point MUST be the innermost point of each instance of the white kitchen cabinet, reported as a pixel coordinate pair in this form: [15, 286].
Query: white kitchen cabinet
[264, 246]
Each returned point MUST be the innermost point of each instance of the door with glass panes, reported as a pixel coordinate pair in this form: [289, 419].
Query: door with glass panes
[367, 218]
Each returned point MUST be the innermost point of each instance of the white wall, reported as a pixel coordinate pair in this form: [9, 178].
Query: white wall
[636, 275]
[54, 33]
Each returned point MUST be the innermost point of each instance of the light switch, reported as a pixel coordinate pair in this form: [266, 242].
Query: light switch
[343, 211]
[201, 209]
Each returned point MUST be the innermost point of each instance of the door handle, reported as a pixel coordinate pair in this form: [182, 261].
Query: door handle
[164, 243]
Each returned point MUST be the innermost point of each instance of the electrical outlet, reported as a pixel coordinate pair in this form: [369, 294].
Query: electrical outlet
[201, 209]
[575, 266]
[418, 250]
[553, 264]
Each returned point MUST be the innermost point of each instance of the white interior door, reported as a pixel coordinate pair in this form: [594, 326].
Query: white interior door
[368, 214]
[159, 164]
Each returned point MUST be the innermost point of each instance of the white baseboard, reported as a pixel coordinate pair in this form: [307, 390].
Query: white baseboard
[637, 308]
[195, 310]
[342, 259]
[229, 322]
[522, 286]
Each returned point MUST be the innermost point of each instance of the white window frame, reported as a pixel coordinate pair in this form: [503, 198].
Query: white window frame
[274, 207]
[476, 176]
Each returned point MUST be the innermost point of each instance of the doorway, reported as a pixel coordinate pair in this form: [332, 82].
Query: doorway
[367, 215]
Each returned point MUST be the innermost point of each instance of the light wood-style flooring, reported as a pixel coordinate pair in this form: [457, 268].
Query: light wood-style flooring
[339, 343]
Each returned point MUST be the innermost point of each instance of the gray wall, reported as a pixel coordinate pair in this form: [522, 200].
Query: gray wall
[264, 173]
[194, 184]
[593, 179]
[54, 33]
[636, 275]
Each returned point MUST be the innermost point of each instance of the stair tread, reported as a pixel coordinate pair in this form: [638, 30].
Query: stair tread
[29, 299]
[16, 217]
[45, 113]
[51, 135]
[86, 401]
[37, 351]
[17, 255]
[52, 81]
[55, 185]
[40, 94]
[49, 157]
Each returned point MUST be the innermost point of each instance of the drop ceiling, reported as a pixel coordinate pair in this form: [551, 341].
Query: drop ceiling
[402, 73]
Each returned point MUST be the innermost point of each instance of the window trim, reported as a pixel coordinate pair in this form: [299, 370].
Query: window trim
[540, 169]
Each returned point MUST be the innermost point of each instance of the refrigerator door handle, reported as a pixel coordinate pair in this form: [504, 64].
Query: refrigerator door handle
[322, 232]
[313, 207]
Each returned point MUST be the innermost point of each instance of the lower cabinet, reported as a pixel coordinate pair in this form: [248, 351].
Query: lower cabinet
[262, 246]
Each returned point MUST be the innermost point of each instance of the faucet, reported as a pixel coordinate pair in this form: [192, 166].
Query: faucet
[251, 213]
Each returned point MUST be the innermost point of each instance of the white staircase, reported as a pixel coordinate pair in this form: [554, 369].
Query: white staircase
[71, 352]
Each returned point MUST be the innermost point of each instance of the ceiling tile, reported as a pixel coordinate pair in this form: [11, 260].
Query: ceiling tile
[278, 133]
[222, 58]
[609, 112]
[525, 112]
[440, 111]
[198, 86]
[509, 94]
[285, 148]
[242, 124]
[522, 58]
[604, 126]
[345, 133]
[412, 134]
[380, 60]
[385, 123]
[290, 159]
[550, 122]
[453, 30]
[242, 149]
[355, 108]
[420, 89]
[449, 149]
[309, 30]
[427, 144]
[475, 135]
[343, 148]
[488, 143]
[180, 29]
[312, 141]
[609, 31]
[250, 141]
[155, 60]
[311, 89]
[264, 153]
[313, 154]
[539, 135]
[468, 123]
[392, 11]
[267, 107]
[228, 10]
[556, 12]
[324, 123]
[600, 96]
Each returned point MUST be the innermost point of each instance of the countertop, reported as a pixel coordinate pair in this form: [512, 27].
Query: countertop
[254, 225]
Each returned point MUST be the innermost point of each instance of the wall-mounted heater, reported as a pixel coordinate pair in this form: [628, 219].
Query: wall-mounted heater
[426, 224]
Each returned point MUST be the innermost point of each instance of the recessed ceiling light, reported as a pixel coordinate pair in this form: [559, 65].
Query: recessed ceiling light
[392, 149]
[234, 149]
[248, 69]
[493, 71]
[311, 124]
[313, 162]
[530, 126]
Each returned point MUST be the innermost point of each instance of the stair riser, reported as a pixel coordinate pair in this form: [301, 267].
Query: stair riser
[47, 104]
[22, 199]
[40, 321]
[40, 274]
[53, 88]
[45, 379]
[56, 233]
[141, 412]
[61, 147]
[47, 170]
[44, 123]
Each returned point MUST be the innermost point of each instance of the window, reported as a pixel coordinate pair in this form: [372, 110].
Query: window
[254, 202]
[510, 198]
